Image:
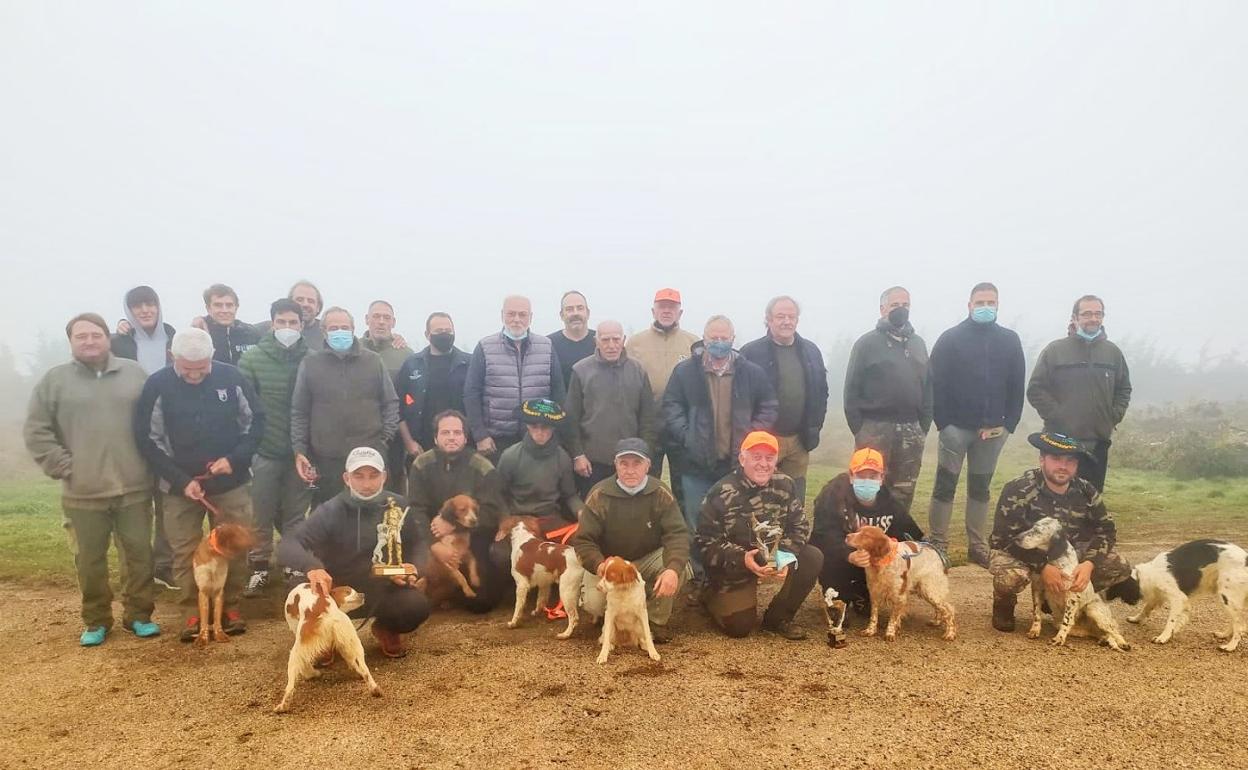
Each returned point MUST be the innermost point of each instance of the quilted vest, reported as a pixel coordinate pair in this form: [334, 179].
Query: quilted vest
[513, 373]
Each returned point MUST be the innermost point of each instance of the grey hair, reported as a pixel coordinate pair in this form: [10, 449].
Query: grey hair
[337, 309]
[716, 318]
[192, 345]
[890, 291]
[771, 306]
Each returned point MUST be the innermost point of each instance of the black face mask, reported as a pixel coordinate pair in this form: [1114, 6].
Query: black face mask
[442, 341]
[898, 316]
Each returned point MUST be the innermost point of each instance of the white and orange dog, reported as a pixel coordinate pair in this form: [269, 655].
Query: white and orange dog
[627, 621]
[322, 628]
[210, 564]
[894, 570]
[540, 564]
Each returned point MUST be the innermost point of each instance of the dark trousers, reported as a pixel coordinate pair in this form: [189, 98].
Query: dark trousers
[597, 473]
[494, 565]
[400, 609]
[673, 475]
[396, 466]
[850, 582]
[1093, 471]
[735, 610]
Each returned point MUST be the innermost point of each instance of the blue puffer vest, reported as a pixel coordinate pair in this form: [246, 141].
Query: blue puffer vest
[513, 373]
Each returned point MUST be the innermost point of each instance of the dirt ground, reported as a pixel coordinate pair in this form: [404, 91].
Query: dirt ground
[474, 694]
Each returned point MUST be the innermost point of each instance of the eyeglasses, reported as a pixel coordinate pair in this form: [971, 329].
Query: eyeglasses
[1090, 314]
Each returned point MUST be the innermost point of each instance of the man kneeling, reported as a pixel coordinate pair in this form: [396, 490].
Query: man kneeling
[634, 515]
[336, 543]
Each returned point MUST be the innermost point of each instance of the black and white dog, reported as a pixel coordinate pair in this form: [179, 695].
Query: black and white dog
[1193, 569]
[1084, 613]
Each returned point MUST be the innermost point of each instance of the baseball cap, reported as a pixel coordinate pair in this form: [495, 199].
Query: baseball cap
[365, 455]
[760, 438]
[668, 295]
[866, 459]
[632, 446]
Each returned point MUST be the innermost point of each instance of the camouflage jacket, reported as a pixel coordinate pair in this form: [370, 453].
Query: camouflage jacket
[726, 524]
[1027, 499]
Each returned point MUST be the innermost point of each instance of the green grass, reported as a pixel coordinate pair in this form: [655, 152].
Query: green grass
[1152, 511]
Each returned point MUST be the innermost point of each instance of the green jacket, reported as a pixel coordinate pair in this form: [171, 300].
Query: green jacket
[726, 524]
[436, 477]
[1081, 388]
[614, 523]
[1027, 499]
[271, 370]
[391, 356]
[608, 402]
[538, 480]
[79, 428]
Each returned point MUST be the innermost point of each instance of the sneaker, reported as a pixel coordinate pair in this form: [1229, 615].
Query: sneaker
[190, 630]
[390, 642]
[256, 584]
[789, 629]
[233, 624]
[143, 629]
[163, 577]
[93, 637]
[293, 578]
[978, 558]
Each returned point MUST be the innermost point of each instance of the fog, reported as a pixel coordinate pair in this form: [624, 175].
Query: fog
[444, 155]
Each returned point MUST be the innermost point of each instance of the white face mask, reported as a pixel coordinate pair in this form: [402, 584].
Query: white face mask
[287, 337]
[631, 491]
[362, 499]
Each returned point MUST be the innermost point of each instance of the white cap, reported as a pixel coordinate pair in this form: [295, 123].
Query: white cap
[365, 455]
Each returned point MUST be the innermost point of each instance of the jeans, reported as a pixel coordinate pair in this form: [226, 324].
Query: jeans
[279, 498]
[693, 488]
[956, 446]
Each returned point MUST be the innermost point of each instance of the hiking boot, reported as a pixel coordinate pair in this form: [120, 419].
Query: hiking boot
[659, 634]
[390, 642]
[143, 629]
[233, 624]
[190, 630]
[256, 584]
[1003, 613]
[93, 637]
[163, 577]
[789, 629]
[978, 557]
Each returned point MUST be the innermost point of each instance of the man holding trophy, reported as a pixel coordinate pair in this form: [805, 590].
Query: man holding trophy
[751, 528]
[363, 537]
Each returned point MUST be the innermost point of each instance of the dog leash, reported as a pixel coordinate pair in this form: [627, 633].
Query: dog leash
[561, 536]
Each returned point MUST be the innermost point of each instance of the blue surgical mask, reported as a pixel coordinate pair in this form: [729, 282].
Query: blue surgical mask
[514, 337]
[339, 339]
[1089, 336]
[866, 489]
[984, 314]
[719, 348]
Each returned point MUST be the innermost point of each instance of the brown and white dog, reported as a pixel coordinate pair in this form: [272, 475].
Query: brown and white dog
[211, 565]
[627, 621]
[540, 564]
[321, 628]
[896, 569]
[452, 556]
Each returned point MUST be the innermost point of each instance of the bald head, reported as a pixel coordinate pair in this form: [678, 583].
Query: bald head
[610, 340]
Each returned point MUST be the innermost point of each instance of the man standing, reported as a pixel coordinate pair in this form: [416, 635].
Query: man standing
[888, 397]
[198, 424]
[634, 516]
[610, 399]
[430, 382]
[507, 368]
[279, 497]
[712, 401]
[381, 339]
[658, 349]
[453, 467]
[78, 428]
[575, 340]
[343, 398]
[337, 542]
[750, 504]
[799, 377]
[977, 372]
[230, 336]
[1052, 490]
[537, 473]
[1081, 387]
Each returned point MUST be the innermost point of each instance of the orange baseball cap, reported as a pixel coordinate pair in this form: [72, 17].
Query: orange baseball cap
[866, 459]
[760, 438]
[669, 295]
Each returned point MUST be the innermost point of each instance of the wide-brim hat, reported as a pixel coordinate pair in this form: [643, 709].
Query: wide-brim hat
[1057, 444]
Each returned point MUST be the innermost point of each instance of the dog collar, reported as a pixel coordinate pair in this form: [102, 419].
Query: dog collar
[212, 543]
[887, 560]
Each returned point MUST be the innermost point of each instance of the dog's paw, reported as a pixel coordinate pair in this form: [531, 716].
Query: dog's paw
[1161, 639]
[471, 594]
[602, 657]
[1221, 636]
[867, 632]
[375, 690]
[1033, 632]
[654, 654]
[513, 624]
[1057, 642]
[950, 635]
[934, 622]
[890, 636]
[536, 611]
[1134, 618]
[220, 636]
[1230, 646]
[201, 640]
[281, 708]
[565, 634]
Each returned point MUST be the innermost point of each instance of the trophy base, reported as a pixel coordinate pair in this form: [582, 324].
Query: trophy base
[836, 640]
[393, 570]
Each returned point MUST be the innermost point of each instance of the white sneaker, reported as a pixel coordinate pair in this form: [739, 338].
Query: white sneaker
[256, 584]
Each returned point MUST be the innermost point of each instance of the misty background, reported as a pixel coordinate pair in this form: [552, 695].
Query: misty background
[441, 156]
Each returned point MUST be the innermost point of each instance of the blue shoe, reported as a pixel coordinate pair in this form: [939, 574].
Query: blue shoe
[93, 637]
[143, 628]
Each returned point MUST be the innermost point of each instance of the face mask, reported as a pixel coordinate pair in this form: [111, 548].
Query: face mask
[339, 339]
[1089, 336]
[287, 337]
[514, 337]
[442, 341]
[984, 314]
[630, 491]
[866, 489]
[356, 496]
[719, 348]
[898, 316]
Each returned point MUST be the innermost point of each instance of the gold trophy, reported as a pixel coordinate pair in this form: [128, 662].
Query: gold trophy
[390, 543]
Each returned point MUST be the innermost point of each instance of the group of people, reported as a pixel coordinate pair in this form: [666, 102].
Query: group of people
[305, 426]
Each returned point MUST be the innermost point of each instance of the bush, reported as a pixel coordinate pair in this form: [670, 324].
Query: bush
[1195, 441]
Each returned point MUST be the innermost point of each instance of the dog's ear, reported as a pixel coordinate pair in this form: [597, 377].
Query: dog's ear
[504, 528]
[447, 511]
[339, 594]
[1128, 591]
[877, 543]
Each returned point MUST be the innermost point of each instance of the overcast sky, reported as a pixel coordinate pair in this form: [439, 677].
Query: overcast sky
[443, 155]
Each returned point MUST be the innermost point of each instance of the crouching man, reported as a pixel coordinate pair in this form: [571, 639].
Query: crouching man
[1051, 490]
[337, 542]
[635, 516]
[749, 505]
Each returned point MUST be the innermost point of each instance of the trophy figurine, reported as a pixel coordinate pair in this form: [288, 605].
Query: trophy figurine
[388, 556]
[767, 536]
[836, 628]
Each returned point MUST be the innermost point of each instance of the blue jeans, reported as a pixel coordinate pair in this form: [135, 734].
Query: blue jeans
[693, 487]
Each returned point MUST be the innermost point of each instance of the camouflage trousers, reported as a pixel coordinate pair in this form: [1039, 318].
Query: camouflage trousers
[1010, 576]
[901, 443]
